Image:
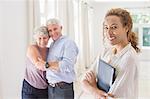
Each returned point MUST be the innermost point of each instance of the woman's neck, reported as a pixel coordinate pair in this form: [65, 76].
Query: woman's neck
[119, 47]
[42, 49]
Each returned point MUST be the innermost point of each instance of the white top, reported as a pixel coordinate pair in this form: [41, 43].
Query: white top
[125, 85]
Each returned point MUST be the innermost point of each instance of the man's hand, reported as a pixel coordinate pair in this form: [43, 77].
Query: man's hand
[54, 65]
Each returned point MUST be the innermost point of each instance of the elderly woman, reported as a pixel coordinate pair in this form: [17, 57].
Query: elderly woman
[35, 83]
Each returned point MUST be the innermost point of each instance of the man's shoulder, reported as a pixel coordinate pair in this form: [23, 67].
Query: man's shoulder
[66, 39]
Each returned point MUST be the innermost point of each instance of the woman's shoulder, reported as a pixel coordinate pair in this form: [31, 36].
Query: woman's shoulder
[32, 47]
[132, 53]
[131, 56]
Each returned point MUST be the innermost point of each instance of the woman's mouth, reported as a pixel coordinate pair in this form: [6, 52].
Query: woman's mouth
[112, 38]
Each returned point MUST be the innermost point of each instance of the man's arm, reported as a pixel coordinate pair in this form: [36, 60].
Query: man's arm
[66, 64]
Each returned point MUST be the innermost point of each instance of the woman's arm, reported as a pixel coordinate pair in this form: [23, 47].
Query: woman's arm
[33, 54]
[124, 85]
[53, 65]
[90, 86]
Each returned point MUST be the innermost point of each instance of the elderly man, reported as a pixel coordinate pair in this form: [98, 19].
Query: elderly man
[60, 63]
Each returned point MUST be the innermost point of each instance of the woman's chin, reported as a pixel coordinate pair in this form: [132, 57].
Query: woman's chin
[112, 43]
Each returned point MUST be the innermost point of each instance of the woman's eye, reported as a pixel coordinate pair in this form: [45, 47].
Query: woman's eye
[44, 38]
[114, 27]
[49, 31]
[106, 28]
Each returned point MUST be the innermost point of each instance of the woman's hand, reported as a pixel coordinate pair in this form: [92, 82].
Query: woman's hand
[111, 96]
[99, 94]
[90, 77]
[40, 64]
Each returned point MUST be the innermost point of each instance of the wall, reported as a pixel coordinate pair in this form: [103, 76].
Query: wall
[13, 30]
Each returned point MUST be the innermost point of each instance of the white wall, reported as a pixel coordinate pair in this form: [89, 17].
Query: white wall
[13, 41]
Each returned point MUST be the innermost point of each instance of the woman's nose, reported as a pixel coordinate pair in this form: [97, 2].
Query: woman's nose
[109, 31]
[42, 41]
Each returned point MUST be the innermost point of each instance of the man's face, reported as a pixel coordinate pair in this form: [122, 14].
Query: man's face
[54, 31]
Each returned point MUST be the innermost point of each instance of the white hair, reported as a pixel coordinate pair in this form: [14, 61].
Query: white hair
[42, 30]
[53, 21]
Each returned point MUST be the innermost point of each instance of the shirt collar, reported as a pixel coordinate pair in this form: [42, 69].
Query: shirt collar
[123, 51]
[61, 37]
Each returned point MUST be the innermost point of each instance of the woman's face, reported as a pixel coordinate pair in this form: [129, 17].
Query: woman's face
[42, 40]
[114, 30]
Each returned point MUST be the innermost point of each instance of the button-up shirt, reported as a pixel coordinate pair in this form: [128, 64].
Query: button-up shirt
[125, 85]
[65, 52]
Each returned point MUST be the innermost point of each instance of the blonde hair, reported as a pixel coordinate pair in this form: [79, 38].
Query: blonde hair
[126, 21]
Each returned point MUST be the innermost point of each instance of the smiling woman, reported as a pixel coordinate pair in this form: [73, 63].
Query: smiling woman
[114, 31]
[35, 83]
[121, 54]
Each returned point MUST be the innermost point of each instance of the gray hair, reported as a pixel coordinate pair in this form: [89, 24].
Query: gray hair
[53, 21]
[42, 30]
